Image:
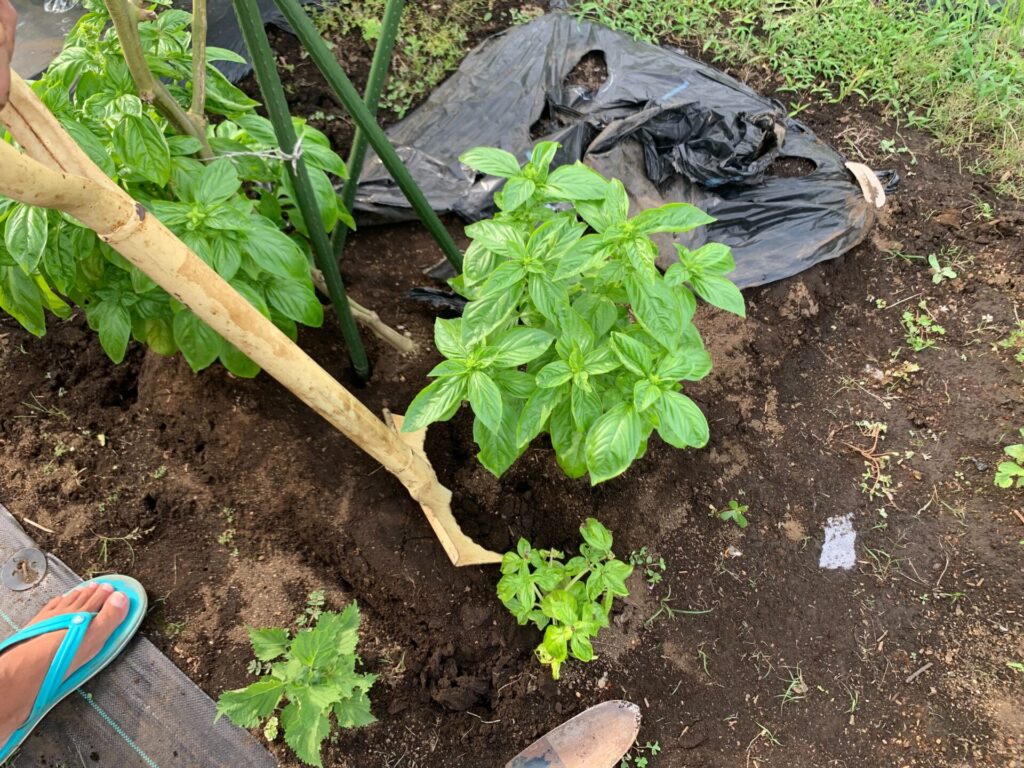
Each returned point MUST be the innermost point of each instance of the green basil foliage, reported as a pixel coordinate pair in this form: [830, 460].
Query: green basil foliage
[238, 213]
[570, 327]
[570, 602]
[315, 672]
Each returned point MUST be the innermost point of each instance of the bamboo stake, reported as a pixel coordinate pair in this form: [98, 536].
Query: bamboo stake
[264, 66]
[371, 96]
[55, 173]
[336, 78]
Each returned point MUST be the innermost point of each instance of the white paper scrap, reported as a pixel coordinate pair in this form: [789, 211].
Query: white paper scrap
[838, 551]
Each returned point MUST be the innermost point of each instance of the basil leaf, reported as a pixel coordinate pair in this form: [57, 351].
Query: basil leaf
[438, 401]
[25, 235]
[143, 148]
[680, 421]
[721, 293]
[485, 399]
[671, 217]
[493, 162]
[612, 443]
[198, 342]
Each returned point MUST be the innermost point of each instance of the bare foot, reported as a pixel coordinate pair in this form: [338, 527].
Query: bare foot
[23, 667]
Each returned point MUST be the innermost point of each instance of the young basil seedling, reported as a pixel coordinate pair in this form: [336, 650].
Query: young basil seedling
[570, 602]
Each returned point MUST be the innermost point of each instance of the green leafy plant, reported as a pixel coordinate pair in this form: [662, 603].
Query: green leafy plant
[1010, 474]
[236, 209]
[315, 602]
[939, 271]
[921, 328]
[570, 601]
[315, 672]
[570, 328]
[734, 513]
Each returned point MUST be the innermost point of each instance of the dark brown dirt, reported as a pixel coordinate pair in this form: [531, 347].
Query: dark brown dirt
[231, 501]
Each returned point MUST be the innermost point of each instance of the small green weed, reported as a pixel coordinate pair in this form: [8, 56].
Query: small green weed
[314, 607]
[642, 758]
[1016, 666]
[892, 149]
[796, 688]
[734, 513]
[1015, 342]
[315, 672]
[921, 328]
[1010, 474]
[654, 567]
[938, 270]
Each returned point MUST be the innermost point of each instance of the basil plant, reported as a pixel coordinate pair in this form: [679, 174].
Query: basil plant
[570, 328]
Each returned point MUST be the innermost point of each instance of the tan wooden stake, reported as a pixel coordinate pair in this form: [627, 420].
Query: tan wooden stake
[54, 173]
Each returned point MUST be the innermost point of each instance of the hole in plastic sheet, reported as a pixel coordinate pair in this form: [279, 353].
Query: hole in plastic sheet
[792, 167]
[589, 74]
[583, 81]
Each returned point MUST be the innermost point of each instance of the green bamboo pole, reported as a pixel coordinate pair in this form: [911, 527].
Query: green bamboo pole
[277, 107]
[374, 87]
[310, 38]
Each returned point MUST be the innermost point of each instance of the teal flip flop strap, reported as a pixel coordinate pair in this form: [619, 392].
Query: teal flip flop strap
[75, 625]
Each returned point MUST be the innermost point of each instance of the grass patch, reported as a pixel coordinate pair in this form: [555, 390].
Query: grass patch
[432, 40]
[954, 68]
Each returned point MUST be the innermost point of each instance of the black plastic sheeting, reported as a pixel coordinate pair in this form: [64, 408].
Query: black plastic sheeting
[43, 25]
[670, 127]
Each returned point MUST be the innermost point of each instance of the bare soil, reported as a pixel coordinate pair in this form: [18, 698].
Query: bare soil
[231, 502]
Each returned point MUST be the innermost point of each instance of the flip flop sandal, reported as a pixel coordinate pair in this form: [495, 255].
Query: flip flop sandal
[55, 688]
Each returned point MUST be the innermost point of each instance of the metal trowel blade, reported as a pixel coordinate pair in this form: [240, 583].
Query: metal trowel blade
[595, 738]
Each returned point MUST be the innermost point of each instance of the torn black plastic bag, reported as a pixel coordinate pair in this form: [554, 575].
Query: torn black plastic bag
[670, 127]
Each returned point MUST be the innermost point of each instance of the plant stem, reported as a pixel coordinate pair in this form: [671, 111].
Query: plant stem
[197, 112]
[277, 109]
[374, 87]
[125, 18]
[369, 319]
[336, 78]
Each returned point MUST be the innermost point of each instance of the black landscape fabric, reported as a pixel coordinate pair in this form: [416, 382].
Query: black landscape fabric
[670, 127]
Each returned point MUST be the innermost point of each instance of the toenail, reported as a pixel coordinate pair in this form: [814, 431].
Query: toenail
[119, 600]
[107, 587]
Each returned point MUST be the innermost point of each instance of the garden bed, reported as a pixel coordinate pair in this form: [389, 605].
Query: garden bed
[231, 502]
